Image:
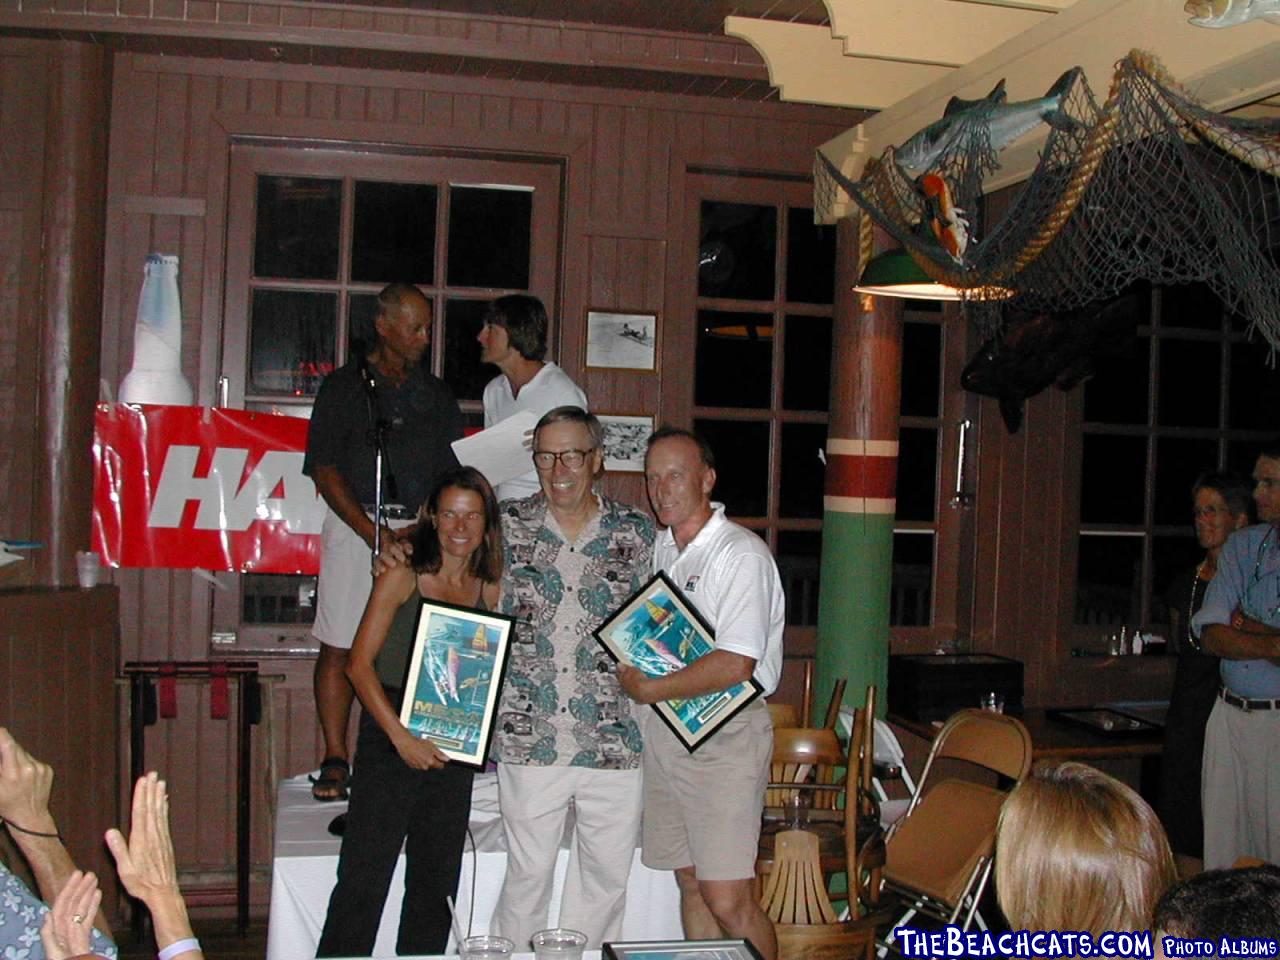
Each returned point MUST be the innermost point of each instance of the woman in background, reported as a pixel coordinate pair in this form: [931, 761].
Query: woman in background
[1221, 505]
[1079, 850]
[408, 792]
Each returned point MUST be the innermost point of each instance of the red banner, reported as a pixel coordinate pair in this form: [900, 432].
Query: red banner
[199, 487]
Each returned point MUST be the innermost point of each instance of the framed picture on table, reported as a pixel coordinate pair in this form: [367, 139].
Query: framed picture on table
[682, 950]
[626, 438]
[658, 631]
[454, 677]
[622, 341]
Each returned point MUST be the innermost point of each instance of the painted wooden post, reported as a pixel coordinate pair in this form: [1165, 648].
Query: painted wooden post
[862, 468]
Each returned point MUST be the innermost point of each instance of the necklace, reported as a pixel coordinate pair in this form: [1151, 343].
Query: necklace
[1192, 641]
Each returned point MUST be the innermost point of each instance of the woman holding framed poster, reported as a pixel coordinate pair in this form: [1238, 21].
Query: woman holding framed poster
[408, 791]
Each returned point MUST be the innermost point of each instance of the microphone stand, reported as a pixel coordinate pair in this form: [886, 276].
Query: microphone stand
[379, 427]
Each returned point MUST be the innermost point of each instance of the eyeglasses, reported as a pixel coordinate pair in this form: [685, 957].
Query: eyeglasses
[572, 459]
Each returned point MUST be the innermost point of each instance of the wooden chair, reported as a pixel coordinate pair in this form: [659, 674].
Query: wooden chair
[833, 705]
[783, 715]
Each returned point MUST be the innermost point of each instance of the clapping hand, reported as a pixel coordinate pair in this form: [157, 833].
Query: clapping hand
[69, 923]
[25, 784]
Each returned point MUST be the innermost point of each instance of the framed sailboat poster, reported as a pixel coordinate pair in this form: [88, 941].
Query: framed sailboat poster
[455, 674]
[658, 631]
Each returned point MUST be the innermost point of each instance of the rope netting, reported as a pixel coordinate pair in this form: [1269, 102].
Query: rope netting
[1146, 186]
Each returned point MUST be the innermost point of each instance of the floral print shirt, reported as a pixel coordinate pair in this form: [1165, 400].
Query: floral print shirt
[561, 703]
[21, 914]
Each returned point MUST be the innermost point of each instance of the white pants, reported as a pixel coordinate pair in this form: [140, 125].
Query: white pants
[1240, 786]
[534, 802]
[345, 581]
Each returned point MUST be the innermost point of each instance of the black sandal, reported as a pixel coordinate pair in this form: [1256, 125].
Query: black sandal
[334, 780]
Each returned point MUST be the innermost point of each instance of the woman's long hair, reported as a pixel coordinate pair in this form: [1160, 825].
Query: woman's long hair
[486, 560]
[1079, 850]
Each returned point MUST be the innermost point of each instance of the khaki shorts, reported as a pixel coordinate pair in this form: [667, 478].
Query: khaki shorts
[703, 809]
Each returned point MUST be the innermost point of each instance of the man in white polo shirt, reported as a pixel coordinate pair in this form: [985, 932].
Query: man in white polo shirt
[702, 811]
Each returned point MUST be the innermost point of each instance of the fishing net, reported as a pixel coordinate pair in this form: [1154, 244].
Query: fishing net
[1146, 186]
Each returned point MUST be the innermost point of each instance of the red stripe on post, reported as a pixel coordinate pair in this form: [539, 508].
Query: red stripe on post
[861, 476]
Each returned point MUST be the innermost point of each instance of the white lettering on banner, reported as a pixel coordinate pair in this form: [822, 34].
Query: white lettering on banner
[222, 505]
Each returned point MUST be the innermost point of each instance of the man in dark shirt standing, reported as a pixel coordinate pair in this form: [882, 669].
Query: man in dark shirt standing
[421, 419]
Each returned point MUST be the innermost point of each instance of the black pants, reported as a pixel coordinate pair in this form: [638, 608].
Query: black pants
[389, 803]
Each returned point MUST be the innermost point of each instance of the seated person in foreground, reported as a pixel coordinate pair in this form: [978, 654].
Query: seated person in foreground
[1220, 903]
[1079, 850]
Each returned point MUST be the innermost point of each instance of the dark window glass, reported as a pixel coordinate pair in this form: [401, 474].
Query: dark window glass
[910, 602]
[1170, 557]
[463, 371]
[362, 311]
[277, 598]
[811, 258]
[742, 464]
[802, 469]
[489, 237]
[1255, 387]
[296, 231]
[1178, 464]
[917, 473]
[290, 341]
[1242, 456]
[1108, 585]
[921, 369]
[1112, 478]
[1194, 306]
[1117, 393]
[734, 359]
[394, 235]
[799, 554]
[806, 378]
[737, 251]
[1190, 383]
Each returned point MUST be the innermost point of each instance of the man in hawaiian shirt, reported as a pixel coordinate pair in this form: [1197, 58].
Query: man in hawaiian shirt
[565, 736]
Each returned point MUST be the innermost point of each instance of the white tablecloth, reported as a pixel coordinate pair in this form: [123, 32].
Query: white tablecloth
[306, 863]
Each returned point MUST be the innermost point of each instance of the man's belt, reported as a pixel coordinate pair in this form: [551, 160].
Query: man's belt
[1244, 703]
[392, 511]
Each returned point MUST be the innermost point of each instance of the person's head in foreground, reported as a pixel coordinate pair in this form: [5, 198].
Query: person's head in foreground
[1220, 903]
[1079, 850]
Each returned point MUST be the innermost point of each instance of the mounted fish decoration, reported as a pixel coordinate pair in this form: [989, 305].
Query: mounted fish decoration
[1034, 350]
[945, 219]
[1229, 13]
[927, 150]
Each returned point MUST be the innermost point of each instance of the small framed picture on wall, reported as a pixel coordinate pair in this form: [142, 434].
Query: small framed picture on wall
[622, 341]
[626, 437]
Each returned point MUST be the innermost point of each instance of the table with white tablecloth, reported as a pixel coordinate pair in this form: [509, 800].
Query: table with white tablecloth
[306, 863]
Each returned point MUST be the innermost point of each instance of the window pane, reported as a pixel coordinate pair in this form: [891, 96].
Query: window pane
[742, 464]
[1193, 305]
[910, 602]
[1112, 478]
[1171, 556]
[921, 369]
[1255, 387]
[811, 258]
[489, 237]
[1190, 374]
[799, 553]
[1117, 393]
[291, 341]
[394, 236]
[277, 598]
[806, 378]
[463, 371]
[734, 365]
[802, 470]
[917, 473]
[737, 251]
[1242, 456]
[296, 233]
[362, 311]
[1178, 464]
[1108, 590]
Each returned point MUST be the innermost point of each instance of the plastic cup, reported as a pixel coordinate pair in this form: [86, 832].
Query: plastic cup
[486, 948]
[87, 568]
[558, 943]
[992, 701]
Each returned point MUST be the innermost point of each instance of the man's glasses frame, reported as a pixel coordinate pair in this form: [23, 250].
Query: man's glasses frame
[572, 459]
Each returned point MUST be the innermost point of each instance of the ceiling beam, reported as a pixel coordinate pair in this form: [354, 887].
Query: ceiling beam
[1221, 68]
[927, 31]
[808, 65]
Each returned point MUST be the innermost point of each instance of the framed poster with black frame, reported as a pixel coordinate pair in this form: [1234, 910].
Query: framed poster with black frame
[659, 632]
[454, 677]
[682, 950]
